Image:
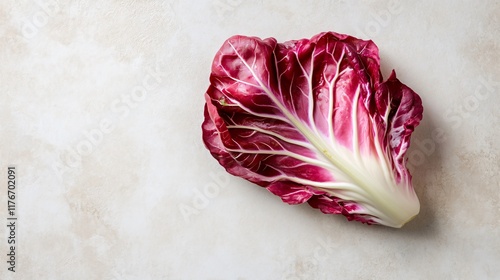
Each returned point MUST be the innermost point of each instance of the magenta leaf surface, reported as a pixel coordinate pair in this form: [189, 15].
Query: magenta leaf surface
[312, 121]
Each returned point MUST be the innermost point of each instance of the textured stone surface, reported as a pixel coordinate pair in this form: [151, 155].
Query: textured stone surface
[101, 106]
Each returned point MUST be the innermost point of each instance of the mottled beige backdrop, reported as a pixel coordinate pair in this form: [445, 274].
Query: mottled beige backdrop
[100, 110]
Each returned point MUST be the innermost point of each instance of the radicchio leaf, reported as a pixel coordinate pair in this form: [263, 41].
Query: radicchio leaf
[313, 121]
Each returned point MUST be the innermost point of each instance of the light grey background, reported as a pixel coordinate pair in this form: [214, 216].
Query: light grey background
[101, 107]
